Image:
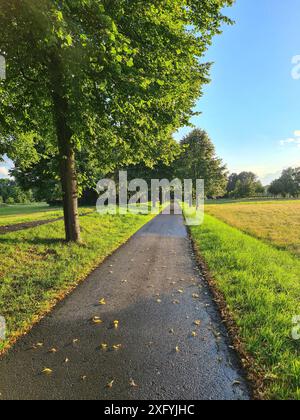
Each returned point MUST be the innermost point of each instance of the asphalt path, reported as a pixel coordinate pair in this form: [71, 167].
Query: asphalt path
[169, 342]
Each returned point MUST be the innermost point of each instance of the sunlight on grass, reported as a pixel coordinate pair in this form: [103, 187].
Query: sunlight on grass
[277, 223]
[262, 289]
[32, 215]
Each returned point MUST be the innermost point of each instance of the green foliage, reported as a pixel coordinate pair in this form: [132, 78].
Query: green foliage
[11, 192]
[288, 185]
[244, 185]
[198, 160]
[130, 75]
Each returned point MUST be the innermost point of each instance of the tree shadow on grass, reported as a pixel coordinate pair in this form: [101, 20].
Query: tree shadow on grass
[33, 241]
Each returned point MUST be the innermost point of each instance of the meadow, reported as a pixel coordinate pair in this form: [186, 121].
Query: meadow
[253, 263]
[38, 268]
[18, 214]
[275, 222]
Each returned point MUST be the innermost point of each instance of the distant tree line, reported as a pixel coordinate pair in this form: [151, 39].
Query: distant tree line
[288, 185]
[12, 193]
[244, 185]
[193, 158]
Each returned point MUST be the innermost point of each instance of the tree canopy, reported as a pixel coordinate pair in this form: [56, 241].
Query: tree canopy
[243, 185]
[287, 185]
[109, 81]
[198, 160]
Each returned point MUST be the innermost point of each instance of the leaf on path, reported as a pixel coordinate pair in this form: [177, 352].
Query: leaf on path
[116, 324]
[177, 349]
[37, 346]
[67, 360]
[195, 296]
[194, 334]
[176, 302]
[110, 384]
[172, 331]
[158, 301]
[96, 320]
[132, 383]
[104, 346]
[53, 350]
[47, 371]
[102, 301]
[84, 378]
[180, 291]
[75, 341]
[197, 323]
[117, 346]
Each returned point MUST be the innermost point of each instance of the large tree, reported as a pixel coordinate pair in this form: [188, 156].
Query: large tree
[198, 160]
[110, 80]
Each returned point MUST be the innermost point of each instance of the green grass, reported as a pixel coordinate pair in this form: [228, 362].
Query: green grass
[261, 286]
[275, 222]
[8, 210]
[38, 268]
[13, 215]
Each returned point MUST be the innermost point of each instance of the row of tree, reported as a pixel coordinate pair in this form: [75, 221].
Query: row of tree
[193, 158]
[288, 185]
[95, 85]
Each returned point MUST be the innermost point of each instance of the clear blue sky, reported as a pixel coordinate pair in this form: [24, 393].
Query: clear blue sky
[252, 106]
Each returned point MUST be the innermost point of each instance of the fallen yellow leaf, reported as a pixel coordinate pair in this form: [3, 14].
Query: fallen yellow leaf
[96, 320]
[116, 324]
[47, 371]
[104, 346]
[194, 334]
[132, 383]
[117, 346]
[110, 384]
[198, 323]
[53, 350]
[102, 301]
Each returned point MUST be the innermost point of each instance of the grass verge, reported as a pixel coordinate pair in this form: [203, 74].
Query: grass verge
[261, 288]
[38, 269]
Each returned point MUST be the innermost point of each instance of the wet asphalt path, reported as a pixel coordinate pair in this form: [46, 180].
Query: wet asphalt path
[151, 286]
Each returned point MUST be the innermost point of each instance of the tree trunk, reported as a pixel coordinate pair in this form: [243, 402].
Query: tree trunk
[66, 155]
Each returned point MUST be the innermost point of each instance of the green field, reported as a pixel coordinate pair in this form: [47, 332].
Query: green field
[38, 268]
[15, 214]
[260, 284]
[275, 222]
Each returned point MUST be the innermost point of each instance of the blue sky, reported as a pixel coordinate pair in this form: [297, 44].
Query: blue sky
[251, 108]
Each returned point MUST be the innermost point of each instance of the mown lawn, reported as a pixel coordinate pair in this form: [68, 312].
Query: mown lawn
[277, 223]
[261, 286]
[8, 210]
[38, 268]
[26, 214]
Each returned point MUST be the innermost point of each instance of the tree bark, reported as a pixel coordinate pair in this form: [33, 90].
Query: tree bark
[67, 162]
